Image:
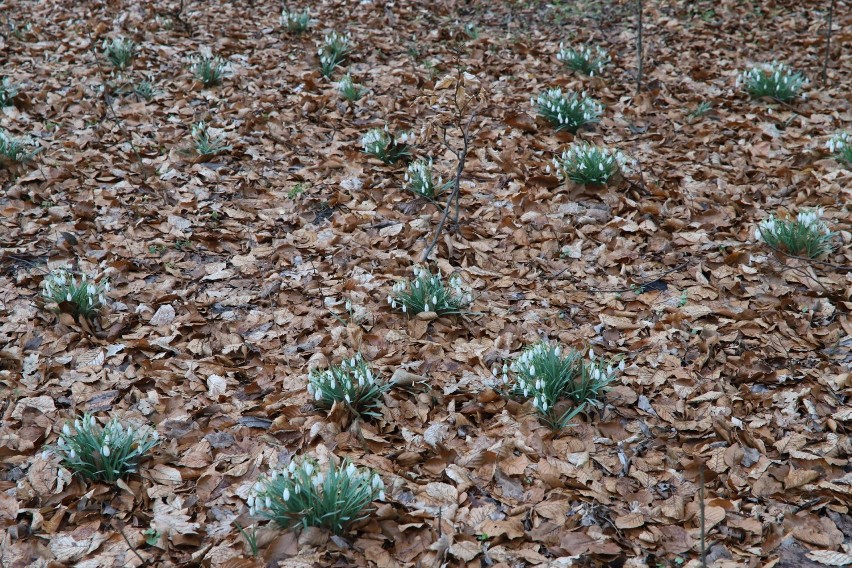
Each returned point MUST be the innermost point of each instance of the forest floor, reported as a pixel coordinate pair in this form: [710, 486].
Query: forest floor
[231, 275]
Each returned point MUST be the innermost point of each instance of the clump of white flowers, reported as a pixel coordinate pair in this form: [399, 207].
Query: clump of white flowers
[106, 453]
[774, 80]
[352, 383]
[567, 110]
[420, 180]
[85, 295]
[379, 142]
[303, 495]
[841, 146]
[209, 70]
[349, 89]
[559, 384]
[207, 142]
[806, 235]
[14, 150]
[295, 22]
[428, 293]
[583, 163]
[8, 91]
[119, 51]
[589, 60]
[333, 51]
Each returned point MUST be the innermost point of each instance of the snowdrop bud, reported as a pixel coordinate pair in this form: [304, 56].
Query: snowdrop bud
[532, 370]
[68, 297]
[285, 494]
[72, 454]
[268, 502]
[347, 397]
[425, 307]
[404, 310]
[105, 451]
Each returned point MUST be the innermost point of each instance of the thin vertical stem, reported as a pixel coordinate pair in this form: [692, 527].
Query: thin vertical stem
[827, 44]
[639, 46]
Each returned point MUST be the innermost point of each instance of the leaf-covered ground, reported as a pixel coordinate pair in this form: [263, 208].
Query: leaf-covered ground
[231, 275]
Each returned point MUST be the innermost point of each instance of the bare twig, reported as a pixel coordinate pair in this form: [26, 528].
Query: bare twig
[838, 267]
[701, 512]
[827, 45]
[639, 45]
[461, 156]
[132, 548]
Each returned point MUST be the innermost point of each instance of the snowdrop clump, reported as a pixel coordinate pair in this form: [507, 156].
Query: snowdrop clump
[806, 235]
[86, 295]
[207, 142]
[381, 144]
[349, 89]
[841, 146]
[559, 383]
[352, 383]
[303, 495]
[774, 80]
[295, 22]
[420, 180]
[427, 293]
[209, 70]
[103, 454]
[119, 51]
[8, 91]
[14, 150]
[583, 163]
[333, 51]
[589, 60]
[567, 110]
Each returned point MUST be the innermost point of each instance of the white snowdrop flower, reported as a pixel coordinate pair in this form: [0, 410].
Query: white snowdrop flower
[381, 496]
[72, 454]
[268, 502]
[532, 370]
[66, 430]
[61, 442]
[68, 297]
[310, 389]
[347, 398]
[318, 479]
[435, 300]
[351, 470]
[404, 310]
[105, 451]
[285, 494]
[291, 467]
[426, 307]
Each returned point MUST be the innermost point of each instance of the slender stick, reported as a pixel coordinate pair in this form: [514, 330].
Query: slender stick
[639, 46]
[827, 44]
[701, 510]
